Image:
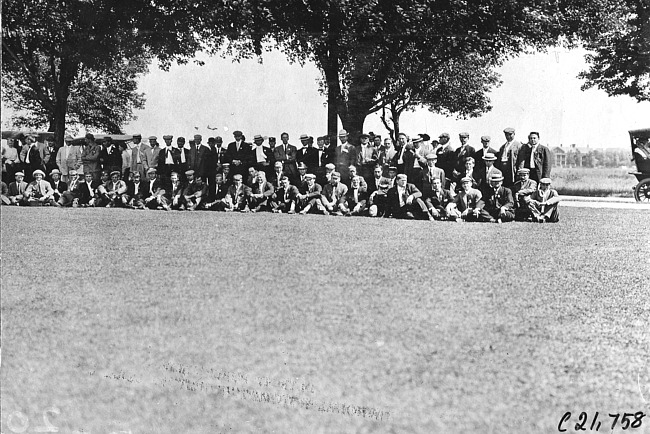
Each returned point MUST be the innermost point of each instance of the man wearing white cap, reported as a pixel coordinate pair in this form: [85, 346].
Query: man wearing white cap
[343, 156]
[39, 191]
[68, 158]
[58, 186]
[67, 197]
[16, 189]
[497, 202]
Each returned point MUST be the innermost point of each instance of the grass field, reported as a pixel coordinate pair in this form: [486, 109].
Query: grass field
[603, 182]
[152, 322]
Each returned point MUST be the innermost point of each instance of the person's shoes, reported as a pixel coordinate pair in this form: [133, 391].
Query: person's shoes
[339, 213]
[409, 215]
[167, 207]
[291, 212]
[499, 221]
[303, 212]
[540, 220]
[431, 218]
[159, 207]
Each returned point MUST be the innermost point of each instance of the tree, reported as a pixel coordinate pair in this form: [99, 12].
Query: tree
[359, 45]
[459, 87]
[103, 99]
[619, 54]
[51, 48]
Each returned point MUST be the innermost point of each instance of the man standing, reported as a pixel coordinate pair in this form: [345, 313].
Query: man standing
[141, 156]
[195, 156]
[262, 156]
[536, 157]
[507, 157]
[185, 157]
[68, 158]
[462, 153]
[286, 154]
[155, 150]
[431, 172]
[445, 153]
[485, 149]
[367, 156]
[385, 155]
[343, 156]
[305, 154]
[497, 202]
[169, 159]
[402, 149]
[404, 201]
[52, 150]
[90, 157]
[110, 156]
[238, 154]
[276, 177]
[321, 159]
[34, 156]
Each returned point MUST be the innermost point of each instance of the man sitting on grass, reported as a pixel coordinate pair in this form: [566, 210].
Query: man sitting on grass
[333, 195]
[111, 192]
[195, 192]
[521, 191]
[498, 205]
[437, 199]
[39, 191]
[311, 197]
[404, 201]
[284, 199]
[153, 191]
[16, 193]
[355, 199]
[466, 205]
[543, 203]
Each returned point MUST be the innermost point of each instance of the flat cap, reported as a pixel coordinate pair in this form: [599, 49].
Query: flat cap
[509, 130]
[237, 133]
[443, 135]
[72, 172]
[37, 171]
[485, 138]
[57, 171]
[336, 175]
[545, 181]
[310, 176]
[278, 164]
[431, 156]
[489, 157]
[68, 138]
[401, 176]
[115, 172]
[151, 170]
[463, 134]
[237, 177]
[189, 172]
[153, 138]
[302, 165]
[392, 168]
[167, 137]
[225, 165]
[330, 166]
[523, 170]
[197, 137]
[137, 135]
[19, 174]
[466, 179]
[384, 183]
[418, 139]
[364, 136]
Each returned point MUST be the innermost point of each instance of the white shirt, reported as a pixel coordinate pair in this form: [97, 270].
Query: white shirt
[401, 192]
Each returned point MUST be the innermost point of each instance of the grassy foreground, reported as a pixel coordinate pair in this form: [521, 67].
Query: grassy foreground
[154, 322]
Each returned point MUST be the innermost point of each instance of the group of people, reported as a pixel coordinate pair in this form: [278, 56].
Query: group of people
[415, 178]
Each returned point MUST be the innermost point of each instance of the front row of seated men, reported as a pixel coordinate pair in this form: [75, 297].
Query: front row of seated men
[490, 203]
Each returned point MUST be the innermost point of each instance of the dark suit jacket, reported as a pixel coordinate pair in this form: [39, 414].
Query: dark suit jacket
[243, 155]
[362, 197]
[478, 157]
[217, 192]
[343, 159]
[427, 179]
[292, 194]
[460, 155]
[130, 190]
[112, 160]
[439, 202]
[61, 187]
[543, 161]
[84, 194]
[17, 190]
[495, 199]
[309, 156]
[266, 190]
[313, 192]
[392, 200]
[163, 167]
[157, 187]
[288, 158]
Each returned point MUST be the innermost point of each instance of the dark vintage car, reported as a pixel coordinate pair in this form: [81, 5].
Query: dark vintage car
[640, 140]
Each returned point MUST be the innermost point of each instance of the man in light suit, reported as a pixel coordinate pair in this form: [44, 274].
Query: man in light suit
[536, 157]
[432, 172]
[39, 191]
[68, 196]
[141, 156]
[507, 157]
[404, 201]
[237, 196]
[467, 203]
[522, 189]
[286, 153]
[16, 190]
[333, 195]
[34, 156]
[111, 192]
[343, 155]
[68, 158]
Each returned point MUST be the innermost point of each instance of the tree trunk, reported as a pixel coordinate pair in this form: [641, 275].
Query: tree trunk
[395, 114]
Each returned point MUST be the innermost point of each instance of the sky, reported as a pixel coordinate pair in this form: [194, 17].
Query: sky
[540, 92]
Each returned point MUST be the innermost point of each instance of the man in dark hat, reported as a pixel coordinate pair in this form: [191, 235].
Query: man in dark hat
[239, 154]
[497, 202]
[462, 152]
[110, 156]
[34, 155]
[367, 156]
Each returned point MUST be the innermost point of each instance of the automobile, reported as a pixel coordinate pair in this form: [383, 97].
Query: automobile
[640, 140]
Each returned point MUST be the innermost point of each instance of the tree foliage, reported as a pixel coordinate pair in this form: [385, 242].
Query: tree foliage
[51, 48]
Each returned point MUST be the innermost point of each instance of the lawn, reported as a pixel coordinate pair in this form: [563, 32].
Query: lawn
[152, 322]
[603, 182]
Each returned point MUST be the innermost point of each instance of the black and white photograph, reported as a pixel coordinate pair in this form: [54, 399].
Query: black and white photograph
[325, 216]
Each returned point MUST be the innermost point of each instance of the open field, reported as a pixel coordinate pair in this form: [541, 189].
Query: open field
[594, 182]
[154, 322]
